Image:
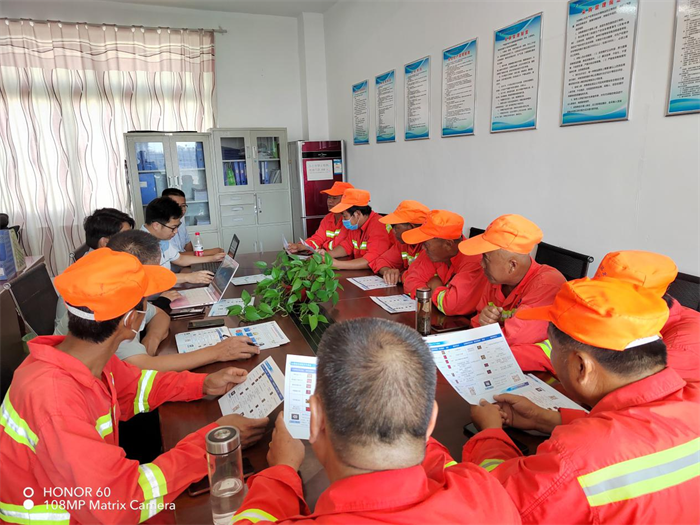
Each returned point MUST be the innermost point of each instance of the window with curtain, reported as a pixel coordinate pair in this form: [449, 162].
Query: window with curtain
[68, 93]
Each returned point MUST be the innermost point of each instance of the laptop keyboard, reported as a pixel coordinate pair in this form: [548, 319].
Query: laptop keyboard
[197, 295]
[210, 266]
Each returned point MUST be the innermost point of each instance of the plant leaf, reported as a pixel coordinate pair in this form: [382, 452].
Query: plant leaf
[322, 296]
[335, 298]
[310, 295]
[340, 286]
[316, 286]
[296, 285]
[322, 319]
[246, 297]
[329, 260]
[236, 309]
[314, 308]
[292, 299]
[251, 313]
[265, 283]
[313, 322]
[317, 258]
[306, 283]
[265, 308]
[276, 273]
[261, 264]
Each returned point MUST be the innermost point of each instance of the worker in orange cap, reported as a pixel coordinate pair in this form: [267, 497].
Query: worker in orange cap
[456, 280]
[364, 238]
[59, 423]
[656, 272]
[392, 264]
[516, 282]
[635, 458]
[331, 225]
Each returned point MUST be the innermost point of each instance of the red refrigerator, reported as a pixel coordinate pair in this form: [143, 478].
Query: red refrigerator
[314, 166]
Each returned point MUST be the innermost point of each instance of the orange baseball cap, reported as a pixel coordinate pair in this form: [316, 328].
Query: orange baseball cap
[606, 313]
[338, 188]
[352, 197]
[440, 224]
[651, 270]
[110, 284]
[407, 212]
[513, 233]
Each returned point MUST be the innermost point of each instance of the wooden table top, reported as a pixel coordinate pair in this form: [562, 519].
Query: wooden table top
[177, 420]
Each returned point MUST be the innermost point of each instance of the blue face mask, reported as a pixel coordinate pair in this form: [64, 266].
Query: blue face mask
[350, 226]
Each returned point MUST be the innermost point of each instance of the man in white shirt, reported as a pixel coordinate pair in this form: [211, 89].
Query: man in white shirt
[163, 220]
[182, 240]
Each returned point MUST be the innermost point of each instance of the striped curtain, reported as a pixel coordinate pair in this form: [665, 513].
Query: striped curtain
[68, 93]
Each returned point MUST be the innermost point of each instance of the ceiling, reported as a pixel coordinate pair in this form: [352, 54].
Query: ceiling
[258, 7]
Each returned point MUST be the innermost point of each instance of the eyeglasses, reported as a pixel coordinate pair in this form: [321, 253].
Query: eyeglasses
[171, 228]
[184, 206]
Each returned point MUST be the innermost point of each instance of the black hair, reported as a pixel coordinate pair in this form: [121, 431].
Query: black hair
[364, 210]
[162, 210]
[628, 363]
[144, 246]
[668, 298]
[104, 222]
[93, 331]
[376, 381]
[173, 191]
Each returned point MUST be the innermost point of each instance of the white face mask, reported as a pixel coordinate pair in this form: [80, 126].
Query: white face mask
[143, 321]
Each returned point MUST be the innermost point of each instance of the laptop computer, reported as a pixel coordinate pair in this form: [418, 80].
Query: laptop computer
[213, 292]
[214, 266]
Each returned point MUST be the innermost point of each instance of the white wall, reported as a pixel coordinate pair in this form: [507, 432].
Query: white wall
[257, 61]
[592, 189]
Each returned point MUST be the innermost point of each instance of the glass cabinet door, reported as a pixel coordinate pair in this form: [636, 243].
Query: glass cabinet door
[268, 162]
[151, 169]
[233, 158]
[192, 180]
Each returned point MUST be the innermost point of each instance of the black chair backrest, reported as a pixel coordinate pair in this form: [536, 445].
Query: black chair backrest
[572, 265]
[36, 298]
[473, 232]
[11, 347]
[79, 252]
[686, 290]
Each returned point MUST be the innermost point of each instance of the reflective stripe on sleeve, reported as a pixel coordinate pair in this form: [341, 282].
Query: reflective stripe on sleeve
[490, 464]
[254, 516]
[39, 514]
[15, 426]
[440, 299]
[154, 487]
[143, 391]
[104, 425]
[546, 347]
[450, 464]
[644, 475]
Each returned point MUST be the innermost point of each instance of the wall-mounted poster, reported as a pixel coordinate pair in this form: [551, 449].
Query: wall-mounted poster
[600, 40]
[684, 91]
[417, 103]
[385, 87]
[516, 75]
[360, 113]
[459, 89]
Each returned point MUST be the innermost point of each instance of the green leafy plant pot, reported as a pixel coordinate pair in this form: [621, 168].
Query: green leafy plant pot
[292, 285]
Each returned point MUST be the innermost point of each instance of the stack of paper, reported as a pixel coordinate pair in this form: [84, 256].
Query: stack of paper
[371, 282]
[221, 308]
[299, 385]
[248, 279]
[259, 395]
[395, 304]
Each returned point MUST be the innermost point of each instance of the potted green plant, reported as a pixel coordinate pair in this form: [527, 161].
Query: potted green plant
[293, 285]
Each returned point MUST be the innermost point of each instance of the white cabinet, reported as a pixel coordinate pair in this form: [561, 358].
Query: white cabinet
[156, 161]
[252, 180]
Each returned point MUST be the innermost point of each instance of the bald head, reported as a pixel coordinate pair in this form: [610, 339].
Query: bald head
[504, 267]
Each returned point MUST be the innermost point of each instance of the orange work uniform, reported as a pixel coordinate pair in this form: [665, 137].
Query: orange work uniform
[428, 493]
[367, 242]
[400, 256]
[635, 458]
[326, 236]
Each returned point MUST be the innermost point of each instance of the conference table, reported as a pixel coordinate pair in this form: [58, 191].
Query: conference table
[179, 419]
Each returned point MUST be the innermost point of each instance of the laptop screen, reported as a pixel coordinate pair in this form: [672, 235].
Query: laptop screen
[233, 248]
[223, 275]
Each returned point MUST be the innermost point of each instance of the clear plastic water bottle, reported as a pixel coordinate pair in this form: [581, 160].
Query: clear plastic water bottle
[198, 247]
[225, 473]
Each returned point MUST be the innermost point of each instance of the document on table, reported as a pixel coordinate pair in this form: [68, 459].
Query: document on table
[395, 304]
[265, 335]
[371, 282]
[478, 363]
[248, 279]
[191, 341]
[221, 308]
[299, 384]
[259, 395]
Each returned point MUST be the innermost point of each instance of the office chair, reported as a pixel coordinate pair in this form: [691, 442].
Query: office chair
[78, 252]
[572, 265]
[35, 298]
[686, 290]
[11, 348]
[473, 232]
